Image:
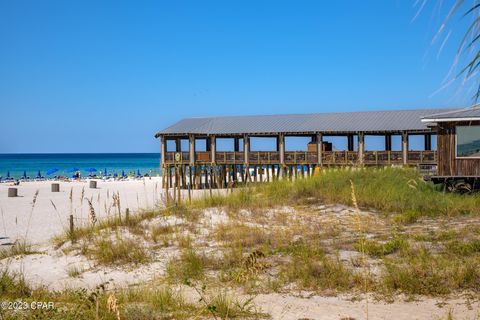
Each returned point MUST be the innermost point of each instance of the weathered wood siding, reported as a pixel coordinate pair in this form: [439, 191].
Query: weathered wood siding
[448, 164]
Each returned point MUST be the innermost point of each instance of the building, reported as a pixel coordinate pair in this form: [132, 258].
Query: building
[458, 140]
[192, 162]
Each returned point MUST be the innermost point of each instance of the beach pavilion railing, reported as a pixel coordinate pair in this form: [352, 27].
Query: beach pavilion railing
[301, 157]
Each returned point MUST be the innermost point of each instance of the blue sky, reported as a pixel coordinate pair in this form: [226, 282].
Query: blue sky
[103, 76]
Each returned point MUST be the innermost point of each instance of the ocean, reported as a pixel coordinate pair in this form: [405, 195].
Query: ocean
[17, 164]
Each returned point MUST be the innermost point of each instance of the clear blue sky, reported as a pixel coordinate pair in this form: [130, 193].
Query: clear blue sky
[103, 76]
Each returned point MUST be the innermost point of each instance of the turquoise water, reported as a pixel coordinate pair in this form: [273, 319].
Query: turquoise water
[16, 164]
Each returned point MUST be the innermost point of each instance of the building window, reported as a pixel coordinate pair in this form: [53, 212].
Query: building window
[468, 141]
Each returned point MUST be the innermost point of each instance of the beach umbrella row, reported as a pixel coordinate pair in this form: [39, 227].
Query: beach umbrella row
[71, 170]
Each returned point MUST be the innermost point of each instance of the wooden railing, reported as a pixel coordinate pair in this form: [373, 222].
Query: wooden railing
[264, 157]
[383, 157]
[300, 157]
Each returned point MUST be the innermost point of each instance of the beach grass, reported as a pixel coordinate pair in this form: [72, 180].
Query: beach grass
[277, 238]
[389, 190]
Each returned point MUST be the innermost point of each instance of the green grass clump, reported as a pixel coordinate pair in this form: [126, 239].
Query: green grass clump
[118, 251]
[225, 306]
[463, 248]
[311, 268]
[189, 266]
[421, 272]
[377, 249]
[17, 249]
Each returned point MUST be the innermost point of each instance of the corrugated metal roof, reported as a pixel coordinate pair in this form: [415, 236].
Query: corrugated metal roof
[368, 121]
[467, 113]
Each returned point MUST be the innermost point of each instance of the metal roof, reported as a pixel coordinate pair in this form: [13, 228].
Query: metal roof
[467, 114]
[368, 121]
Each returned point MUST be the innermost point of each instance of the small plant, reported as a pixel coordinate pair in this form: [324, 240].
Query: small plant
[119, 251]
[190, 265]
[74, 271]
[376, 249]
[17, 249]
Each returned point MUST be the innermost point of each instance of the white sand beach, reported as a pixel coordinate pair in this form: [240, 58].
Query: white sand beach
[49, 216]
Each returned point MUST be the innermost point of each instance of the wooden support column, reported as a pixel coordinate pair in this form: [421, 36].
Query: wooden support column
[388, 142]
[281, 150]
[350, 142]
[191, 149]
[213, 149]
[163, 150]
[246, 149]
[320, 149]
[405, 147]
[428, 141]
[236, 144]
[361, 147]
[178, 145]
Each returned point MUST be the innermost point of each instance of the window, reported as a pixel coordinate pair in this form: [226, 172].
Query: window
[468, 141]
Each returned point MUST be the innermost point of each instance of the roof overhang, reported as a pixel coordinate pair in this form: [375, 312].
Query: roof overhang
[450, 119]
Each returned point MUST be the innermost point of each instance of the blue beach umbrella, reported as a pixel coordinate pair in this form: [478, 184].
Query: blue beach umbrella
[91, 170]
[138, 172]
[39, 175]
[50, 171]
[25, 174]
[105, 172]
[123, 173]
[8, 174]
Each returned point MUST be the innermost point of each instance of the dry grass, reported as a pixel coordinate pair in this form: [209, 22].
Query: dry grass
[118, 251]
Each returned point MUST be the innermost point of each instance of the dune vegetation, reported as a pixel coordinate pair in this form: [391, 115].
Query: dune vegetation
[380, 232]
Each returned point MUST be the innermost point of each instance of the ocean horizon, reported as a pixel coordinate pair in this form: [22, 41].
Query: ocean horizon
[18, 164]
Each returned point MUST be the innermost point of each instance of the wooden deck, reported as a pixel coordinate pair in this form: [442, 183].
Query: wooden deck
[298, 157]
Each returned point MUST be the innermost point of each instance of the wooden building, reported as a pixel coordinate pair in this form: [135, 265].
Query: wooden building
[458, 144]
[181, 154]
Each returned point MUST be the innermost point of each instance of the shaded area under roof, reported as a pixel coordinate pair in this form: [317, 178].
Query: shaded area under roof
[470, 113]
[367, 121]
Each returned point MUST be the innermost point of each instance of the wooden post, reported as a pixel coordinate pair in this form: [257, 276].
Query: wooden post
[167, 184]
[12, 192]
[179, 196]
[190, 193]
[281, 150]
[361, 147]
[388, 142]
[55, 187]
[246, 150]
[213, 149]
[350, 142]
[72, 229]
[178, 145]
[319, 149]
[191, 149]
[210, 182]
[428, 142]
[163, 150]
[127, 215]
[405, 147]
